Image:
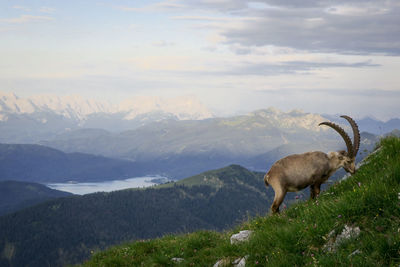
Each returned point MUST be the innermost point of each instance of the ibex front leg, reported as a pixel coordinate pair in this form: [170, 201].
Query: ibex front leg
[314, 190]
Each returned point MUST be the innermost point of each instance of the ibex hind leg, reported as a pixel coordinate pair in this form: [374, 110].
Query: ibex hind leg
[278, 199]
[266, 180]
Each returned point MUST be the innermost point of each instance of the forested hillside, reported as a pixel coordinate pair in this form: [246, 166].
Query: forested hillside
[66, 231]
[17, 195]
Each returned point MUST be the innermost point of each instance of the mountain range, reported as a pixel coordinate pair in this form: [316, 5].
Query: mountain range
[28, 120]
[79, 108]
[37, 163]
[180, 149]
[170, 147]
[41, 117]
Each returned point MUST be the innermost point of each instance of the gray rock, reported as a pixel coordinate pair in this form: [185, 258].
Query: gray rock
[347, 233]
[239, 262]
[242, 236]
[355, 252]
[220, 263]
[177, 260]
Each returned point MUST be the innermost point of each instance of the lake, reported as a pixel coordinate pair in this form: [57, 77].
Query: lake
[108, 186]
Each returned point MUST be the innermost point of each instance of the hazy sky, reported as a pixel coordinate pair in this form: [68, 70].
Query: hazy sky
[331, 56]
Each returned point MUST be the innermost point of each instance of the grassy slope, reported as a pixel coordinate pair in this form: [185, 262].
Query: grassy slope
[369, 200]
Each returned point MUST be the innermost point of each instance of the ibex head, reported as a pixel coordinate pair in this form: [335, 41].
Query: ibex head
[346, 159]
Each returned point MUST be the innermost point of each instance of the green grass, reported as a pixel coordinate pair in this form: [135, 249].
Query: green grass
[369, 200]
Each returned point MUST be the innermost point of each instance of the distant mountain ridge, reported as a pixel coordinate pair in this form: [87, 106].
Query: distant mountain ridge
[44, 117]
[250, 134]
[29, 120]
[173, 148]
[79, 108]
[183, 148]
[371, 125]
[36, 163]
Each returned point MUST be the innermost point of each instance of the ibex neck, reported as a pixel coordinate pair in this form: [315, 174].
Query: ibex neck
[334, 161]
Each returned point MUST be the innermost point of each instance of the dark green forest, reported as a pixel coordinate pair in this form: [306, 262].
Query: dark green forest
[68, 230]
[17, 195]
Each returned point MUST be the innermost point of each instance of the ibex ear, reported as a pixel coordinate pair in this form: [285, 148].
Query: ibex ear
[342, 154]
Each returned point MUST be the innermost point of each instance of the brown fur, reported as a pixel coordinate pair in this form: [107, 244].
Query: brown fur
[296, 172]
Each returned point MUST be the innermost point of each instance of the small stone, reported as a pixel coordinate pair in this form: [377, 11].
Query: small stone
[241, 236]
[177, 260]
[240, 262]
[355, 252]
[221, 263]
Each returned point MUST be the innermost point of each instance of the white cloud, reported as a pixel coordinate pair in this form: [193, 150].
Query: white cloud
[163, 43]
[48, 10]
[201, 18]
[156, 7]
[357, 10]
[26, 19]
[24, 8]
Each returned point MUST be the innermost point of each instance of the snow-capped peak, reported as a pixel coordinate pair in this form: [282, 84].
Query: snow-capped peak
[77, 107]
[184, 107]
[292, 119]
[71, 105]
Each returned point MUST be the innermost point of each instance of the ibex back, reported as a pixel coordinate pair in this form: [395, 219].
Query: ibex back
[296, 172]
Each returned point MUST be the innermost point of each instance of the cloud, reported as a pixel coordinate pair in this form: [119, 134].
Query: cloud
[219, 5]
[374, 93]
[163, 43]
[351, 27]
[201, 18]
[48, 10]
[282, 68]
[24, 8]
[156, 7]
[26, 18]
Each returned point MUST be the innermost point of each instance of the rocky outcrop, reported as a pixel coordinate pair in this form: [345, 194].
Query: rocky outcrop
[242, 236]
[334, 241]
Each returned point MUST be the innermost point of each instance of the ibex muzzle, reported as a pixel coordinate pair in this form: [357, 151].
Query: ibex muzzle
[296, 172]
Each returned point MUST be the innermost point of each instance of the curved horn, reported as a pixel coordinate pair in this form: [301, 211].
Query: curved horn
[344, 135]
[356, 132]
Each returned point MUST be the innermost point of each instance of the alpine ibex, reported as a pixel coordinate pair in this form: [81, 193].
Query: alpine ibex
[296, 172]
